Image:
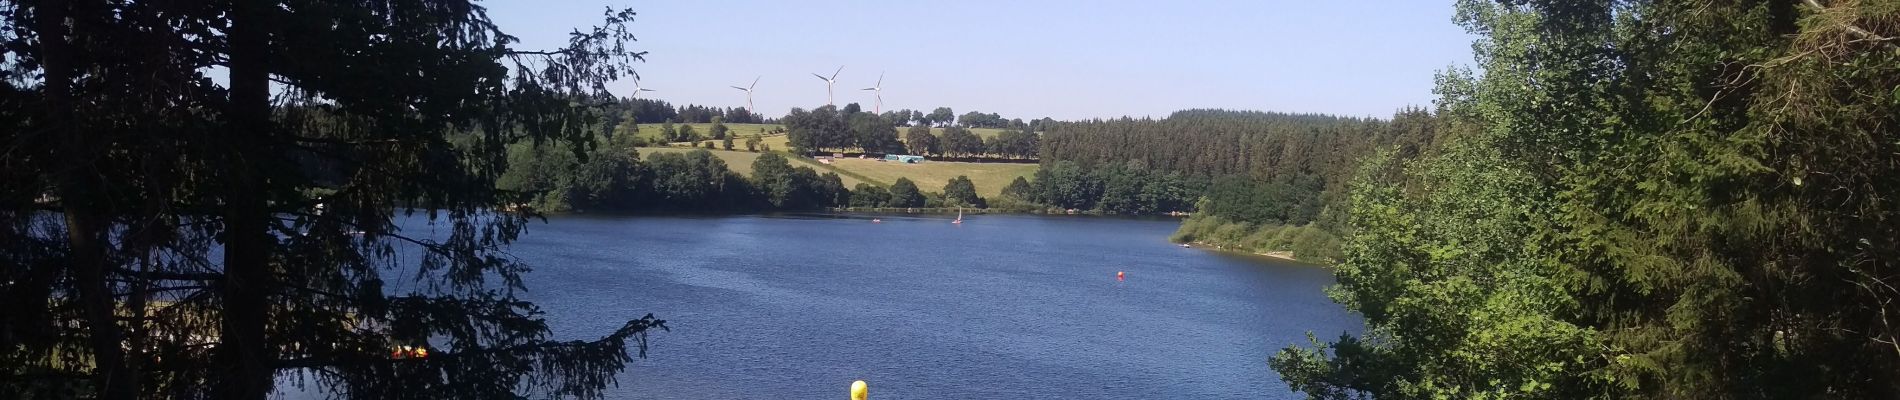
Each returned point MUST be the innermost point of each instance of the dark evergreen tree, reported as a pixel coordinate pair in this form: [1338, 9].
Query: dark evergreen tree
[258, 212]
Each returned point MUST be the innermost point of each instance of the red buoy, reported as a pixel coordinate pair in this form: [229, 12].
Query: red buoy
[1118, 276]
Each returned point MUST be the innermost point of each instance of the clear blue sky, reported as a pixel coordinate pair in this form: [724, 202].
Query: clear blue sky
[1029, 59]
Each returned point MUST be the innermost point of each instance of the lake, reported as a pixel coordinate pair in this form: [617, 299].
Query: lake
[1002, 306]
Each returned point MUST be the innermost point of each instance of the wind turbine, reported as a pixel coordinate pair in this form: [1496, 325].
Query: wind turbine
[828, 82]
[879, 92]
[637, 89]
[748, 94]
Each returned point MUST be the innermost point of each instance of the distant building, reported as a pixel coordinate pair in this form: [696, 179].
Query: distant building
[904, 158]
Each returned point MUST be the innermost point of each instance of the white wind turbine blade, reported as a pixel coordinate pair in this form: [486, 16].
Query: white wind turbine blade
[755, 83]
[834, 74]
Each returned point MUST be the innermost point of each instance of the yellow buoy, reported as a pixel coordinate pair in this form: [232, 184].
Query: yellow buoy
[858, 391]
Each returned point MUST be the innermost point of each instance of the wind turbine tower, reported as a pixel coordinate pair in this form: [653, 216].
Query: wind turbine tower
[828, 83]
[748, 94]
[878, 91]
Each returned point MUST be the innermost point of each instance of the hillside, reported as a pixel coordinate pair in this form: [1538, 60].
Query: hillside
[931, 176]
[779, 141]
[990, 178]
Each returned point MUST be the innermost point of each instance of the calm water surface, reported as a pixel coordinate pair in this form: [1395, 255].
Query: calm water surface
[794, 307]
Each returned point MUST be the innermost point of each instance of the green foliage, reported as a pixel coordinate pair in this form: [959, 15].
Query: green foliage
[1639, 199]
[1014, 143]
[1020, 189]
[1283, 203]
[874, 134]
[959, 142]
[718, 130]
[688, 134]
[1065, 184]
[975, 119]
[960, 192]
[1306, 242]
[226, 179]
[820, 129]
[904, 194]
[918, 140]
[788, 188]
[940, 116]
[688, 181]
[868, 195]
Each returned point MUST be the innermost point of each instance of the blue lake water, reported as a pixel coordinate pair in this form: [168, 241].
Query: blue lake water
[797, 307]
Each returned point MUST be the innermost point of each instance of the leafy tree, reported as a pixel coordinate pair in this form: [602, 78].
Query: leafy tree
[752, 143]
[960, 142]
[1122, 187]
[1636, 199]
[718, 129]
[1014, 143]
[961, 192]
[820, 129]
[688, 181]
[868, 195]
[608, 180]
[975, 119]
[941, 116]
[773, 175]
[687, 134]
[874, 134]
[668, 132]
[1065, 184]
[257, 211]
[897, 117]
[1021, 190]
[904, 193]
[830, 190]
[920, 141]
[728, 143]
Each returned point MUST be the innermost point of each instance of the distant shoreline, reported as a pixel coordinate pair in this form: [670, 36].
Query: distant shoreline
[1282, 254]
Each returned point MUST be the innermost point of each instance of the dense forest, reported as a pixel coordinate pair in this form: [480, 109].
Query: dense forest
[1636, 199]
[652, 111]
[829, 129]
[614, 177]
[1257, 181]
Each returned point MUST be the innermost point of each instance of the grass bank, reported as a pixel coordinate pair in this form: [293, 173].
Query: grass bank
[1306, 243]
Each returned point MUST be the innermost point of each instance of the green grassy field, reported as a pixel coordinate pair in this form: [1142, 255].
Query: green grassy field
[741, 162]
[779, 142]
[930, 176]
[652, 131]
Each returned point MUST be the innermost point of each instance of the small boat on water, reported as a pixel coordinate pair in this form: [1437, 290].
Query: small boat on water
[1185, 245]
[875, 220]
[959, 219]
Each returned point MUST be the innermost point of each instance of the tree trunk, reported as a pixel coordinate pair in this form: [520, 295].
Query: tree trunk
[244, 354]
[85, 231]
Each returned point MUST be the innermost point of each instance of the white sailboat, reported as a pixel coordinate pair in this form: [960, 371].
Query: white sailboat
[959, 219]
